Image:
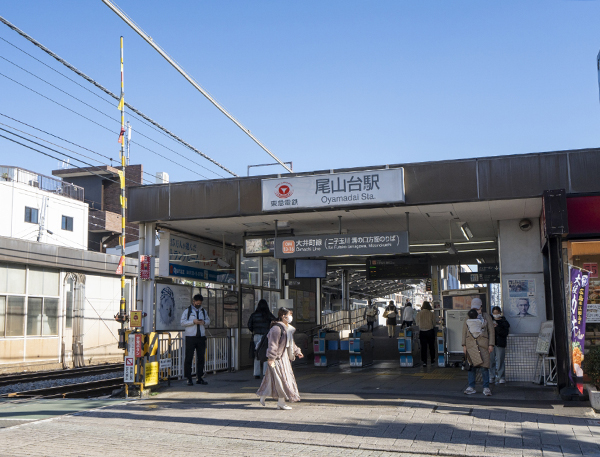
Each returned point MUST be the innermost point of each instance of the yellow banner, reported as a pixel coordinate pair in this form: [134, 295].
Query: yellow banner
[121, 103]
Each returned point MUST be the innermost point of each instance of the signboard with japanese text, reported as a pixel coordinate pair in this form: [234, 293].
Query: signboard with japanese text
[138, 345]
[367, 187]
[545, 338]
[345, 244]
[190, 258]
[129, 370]
[151, 374]
[593, 313]
[479, 278]
[145, 265]
[259, 246]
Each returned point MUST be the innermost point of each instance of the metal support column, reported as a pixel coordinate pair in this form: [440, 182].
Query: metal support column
[148, 300]
[318, 304]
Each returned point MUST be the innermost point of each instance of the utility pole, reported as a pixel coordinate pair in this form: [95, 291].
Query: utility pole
[122, 316]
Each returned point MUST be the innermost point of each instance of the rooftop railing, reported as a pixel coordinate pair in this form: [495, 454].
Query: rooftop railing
[46, 183]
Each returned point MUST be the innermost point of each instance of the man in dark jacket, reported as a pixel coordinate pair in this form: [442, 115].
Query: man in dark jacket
[259, 324]
[501, 327]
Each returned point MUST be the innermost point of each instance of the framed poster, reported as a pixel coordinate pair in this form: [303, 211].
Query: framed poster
[171, 301]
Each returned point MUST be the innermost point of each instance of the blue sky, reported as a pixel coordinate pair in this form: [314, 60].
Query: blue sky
[323, 84]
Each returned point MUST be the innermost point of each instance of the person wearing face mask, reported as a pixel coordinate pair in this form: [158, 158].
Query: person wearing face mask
[501, 327]
[279, 381]
[193, 320]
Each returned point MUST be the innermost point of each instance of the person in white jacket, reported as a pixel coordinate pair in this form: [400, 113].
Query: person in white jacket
[194, 321]
[408, 315]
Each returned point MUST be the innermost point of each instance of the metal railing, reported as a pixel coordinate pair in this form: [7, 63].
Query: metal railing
[218, 356]
[46, 183]
[344, 320]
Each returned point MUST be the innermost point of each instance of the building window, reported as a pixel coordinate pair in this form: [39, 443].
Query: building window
[42, 316]
[67, 223]
[31, 215]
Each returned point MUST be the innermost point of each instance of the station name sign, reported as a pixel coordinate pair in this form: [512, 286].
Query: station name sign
[344, 244]
[337, 189]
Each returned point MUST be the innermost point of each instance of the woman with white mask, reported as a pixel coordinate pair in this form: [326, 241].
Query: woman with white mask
[279, 381]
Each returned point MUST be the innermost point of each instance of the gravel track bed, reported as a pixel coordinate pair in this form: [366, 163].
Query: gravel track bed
[57, 382]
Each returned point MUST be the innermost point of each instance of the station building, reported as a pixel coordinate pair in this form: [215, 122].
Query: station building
[240, 239]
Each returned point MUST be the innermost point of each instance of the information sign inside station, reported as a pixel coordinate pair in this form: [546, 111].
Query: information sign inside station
[479, 278]
[151, 374]
[341, 244]
[416, 267]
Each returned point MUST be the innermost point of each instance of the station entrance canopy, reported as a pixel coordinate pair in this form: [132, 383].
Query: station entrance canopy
[454, 207]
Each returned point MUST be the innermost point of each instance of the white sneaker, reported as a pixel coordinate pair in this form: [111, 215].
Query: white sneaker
[502, 381]
[470, 391]
[261, 400]
[283, 407]
[487, 392]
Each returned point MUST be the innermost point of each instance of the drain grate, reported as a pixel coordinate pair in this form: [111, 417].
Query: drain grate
[455, 410]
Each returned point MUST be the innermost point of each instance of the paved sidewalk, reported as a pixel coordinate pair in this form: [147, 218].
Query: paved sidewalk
[370, 412]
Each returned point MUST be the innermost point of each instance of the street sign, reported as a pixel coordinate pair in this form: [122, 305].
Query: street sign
[129, 370]
[165, 363]
[414, 267]
[138, 344]
[135, 318]
[151, 374]
[479, 278]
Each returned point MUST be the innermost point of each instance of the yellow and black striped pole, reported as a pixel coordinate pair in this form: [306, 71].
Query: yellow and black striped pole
[122, 317]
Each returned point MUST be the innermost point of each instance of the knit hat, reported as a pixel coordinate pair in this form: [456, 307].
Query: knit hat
[476, 303]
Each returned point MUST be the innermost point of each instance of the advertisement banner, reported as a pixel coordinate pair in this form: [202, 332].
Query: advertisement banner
[345, 244]
[579, 295]
[171, 301]
[369, 187]
[190, 258]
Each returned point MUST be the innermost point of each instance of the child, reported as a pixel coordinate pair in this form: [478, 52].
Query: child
[474, 323]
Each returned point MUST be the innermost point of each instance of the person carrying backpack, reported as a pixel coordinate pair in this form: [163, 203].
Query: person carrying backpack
[479, 348]
[279, 381]
[194, 320]
[259, 324]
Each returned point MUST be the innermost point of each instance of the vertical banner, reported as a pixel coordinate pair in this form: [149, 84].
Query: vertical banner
[579, 296]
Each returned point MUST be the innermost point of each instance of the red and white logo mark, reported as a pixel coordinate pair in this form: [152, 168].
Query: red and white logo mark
[284, 190]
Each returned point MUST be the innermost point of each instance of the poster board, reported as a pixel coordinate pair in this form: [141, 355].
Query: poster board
[171, 301]
[544, 338]
[455, 319]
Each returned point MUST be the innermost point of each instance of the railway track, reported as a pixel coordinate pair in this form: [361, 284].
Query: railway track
[76, 390]
[6, 380]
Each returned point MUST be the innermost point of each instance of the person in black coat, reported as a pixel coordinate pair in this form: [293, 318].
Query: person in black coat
[501, 328]
[260, 324]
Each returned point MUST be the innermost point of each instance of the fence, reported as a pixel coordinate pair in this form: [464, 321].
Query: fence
[218, 356]
[344, 320]
[42, 182]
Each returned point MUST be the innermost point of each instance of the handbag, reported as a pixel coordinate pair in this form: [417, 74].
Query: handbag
[290, 350]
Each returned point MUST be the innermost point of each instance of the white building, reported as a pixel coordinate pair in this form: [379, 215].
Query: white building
[40, 208]
[57, 299]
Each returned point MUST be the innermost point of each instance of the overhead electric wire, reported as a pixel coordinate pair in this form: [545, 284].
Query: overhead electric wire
[139, 116]
[106, 91]
[70, 150]
[106, 115]
[119, 12]
[100, 125]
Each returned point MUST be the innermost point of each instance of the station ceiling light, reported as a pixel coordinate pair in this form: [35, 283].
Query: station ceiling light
[466, 231]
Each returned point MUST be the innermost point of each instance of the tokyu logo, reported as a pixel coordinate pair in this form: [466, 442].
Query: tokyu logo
[288, 246]
[284, 190]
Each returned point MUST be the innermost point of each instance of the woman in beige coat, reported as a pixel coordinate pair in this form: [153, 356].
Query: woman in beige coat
[478, 349]
[279, 381]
